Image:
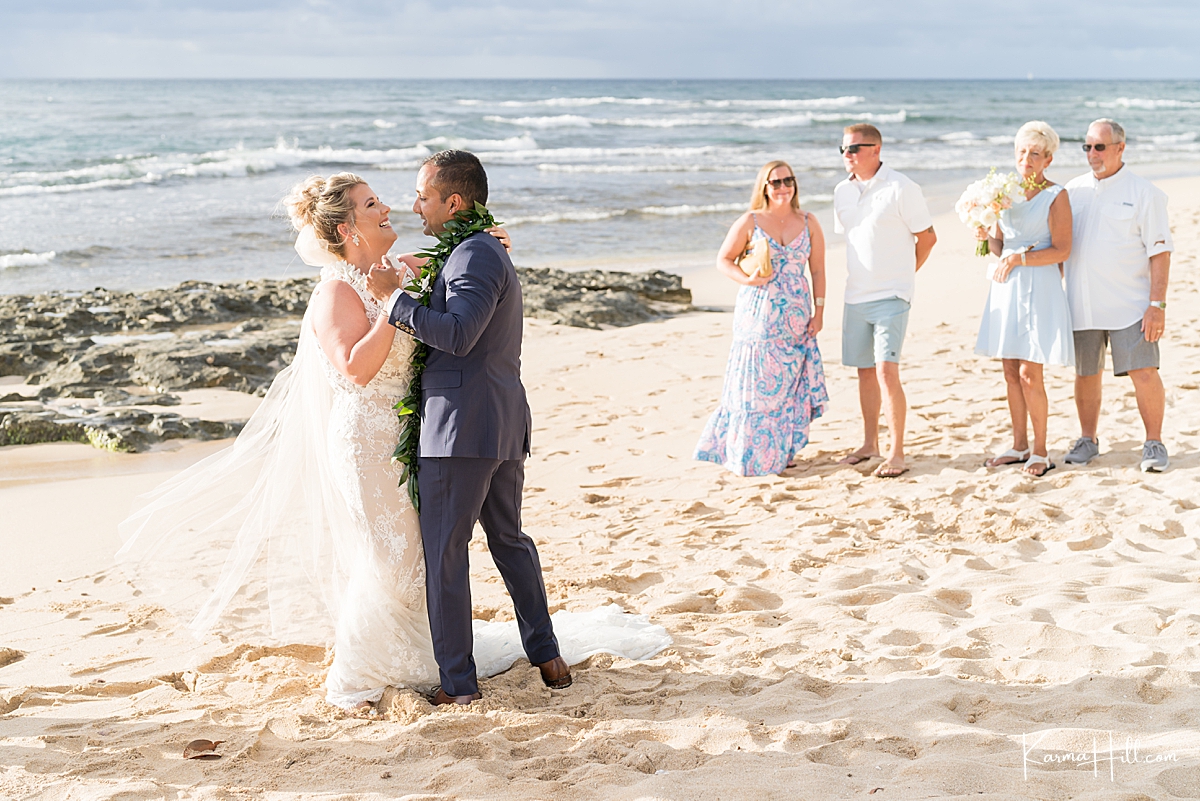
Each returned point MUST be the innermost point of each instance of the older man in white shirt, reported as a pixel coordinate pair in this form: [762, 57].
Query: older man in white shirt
[1117, 288]
[889, 234]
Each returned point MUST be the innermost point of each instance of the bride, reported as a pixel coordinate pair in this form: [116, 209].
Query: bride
[300, 530]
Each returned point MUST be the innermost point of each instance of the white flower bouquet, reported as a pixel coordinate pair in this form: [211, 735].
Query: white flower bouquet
[982, 201]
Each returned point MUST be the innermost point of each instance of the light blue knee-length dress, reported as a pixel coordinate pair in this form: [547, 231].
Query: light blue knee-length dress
[1027, 317]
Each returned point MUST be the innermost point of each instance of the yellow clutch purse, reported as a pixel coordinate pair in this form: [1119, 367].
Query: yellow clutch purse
[757, 259]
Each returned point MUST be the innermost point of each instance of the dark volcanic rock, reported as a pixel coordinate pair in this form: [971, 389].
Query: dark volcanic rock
[129, 430]
[593, 298]
[97, 344]
[192, 303]
[244, 363]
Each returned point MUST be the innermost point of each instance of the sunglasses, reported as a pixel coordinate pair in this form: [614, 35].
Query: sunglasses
[852, 149]
[775, 183]
[1099, 148]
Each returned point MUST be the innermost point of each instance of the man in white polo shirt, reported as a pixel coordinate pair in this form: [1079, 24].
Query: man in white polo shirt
[1117, 289]
[889, 234]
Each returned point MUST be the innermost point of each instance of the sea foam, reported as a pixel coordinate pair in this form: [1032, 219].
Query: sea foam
[1143, 103]
[9, 260]
[608, 100]
[229, 163]
[557, 121]
[512, 143]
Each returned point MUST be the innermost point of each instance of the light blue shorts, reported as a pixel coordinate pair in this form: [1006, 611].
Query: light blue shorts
[873, 332]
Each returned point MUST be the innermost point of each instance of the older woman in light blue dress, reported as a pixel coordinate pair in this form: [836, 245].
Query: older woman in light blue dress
[1026, 322]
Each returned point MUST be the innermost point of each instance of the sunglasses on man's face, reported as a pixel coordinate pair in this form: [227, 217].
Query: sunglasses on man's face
[1099, 147]
[775, 183]
[852, 149]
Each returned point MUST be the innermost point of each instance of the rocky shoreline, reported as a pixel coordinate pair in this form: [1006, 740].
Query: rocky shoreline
[101, 366]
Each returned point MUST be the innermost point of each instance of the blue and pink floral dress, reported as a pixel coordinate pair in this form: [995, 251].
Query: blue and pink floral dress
[774, 381]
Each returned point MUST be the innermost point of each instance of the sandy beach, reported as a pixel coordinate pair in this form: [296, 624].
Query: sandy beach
[957, 632]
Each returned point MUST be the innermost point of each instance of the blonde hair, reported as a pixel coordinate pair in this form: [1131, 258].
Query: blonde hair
[868, 131]
[758, 197]
[1039, 133]
[324, 203]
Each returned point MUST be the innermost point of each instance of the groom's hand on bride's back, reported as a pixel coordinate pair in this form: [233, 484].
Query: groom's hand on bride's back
[383, 281]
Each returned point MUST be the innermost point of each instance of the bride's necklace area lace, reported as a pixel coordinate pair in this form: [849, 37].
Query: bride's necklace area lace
[466, 223]
[347, 272]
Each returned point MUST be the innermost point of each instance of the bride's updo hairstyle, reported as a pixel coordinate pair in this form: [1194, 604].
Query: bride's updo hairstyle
[1038, 133]
[324, 203]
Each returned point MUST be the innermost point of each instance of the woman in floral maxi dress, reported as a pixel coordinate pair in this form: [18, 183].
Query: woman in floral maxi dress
[774, 381]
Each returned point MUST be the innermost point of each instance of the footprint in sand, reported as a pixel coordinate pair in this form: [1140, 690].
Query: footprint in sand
[747, 599]
[1092, 543]
[628, 585]
[10, 655]
[699, 509]
[853, 579]
[958, 600]
[683, 604]
[955, 652]
[904, 637]
[1181, 782]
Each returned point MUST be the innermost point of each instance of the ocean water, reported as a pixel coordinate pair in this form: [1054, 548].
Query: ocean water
[135, 184]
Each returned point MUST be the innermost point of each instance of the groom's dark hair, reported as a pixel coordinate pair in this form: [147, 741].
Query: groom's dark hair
[459, 172]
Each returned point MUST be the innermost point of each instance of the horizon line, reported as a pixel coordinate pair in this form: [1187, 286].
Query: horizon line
[1026, 79]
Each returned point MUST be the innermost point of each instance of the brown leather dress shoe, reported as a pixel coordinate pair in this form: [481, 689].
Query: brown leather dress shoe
[441, 697]
[555, 673]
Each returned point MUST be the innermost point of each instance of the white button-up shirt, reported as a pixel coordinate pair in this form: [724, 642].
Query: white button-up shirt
[1119, 222]
[879, 218]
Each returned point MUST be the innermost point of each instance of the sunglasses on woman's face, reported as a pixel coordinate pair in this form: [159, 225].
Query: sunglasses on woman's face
[775, 183]
[852, 149]
[1099, 148]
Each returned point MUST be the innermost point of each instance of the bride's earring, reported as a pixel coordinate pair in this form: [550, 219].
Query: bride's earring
[355, 239]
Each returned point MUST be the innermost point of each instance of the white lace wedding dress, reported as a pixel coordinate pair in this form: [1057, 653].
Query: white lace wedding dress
[301, 533]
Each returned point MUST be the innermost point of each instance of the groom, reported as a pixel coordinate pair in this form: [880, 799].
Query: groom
[475, 426]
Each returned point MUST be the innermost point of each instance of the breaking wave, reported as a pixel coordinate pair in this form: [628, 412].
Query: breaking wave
[9, 260]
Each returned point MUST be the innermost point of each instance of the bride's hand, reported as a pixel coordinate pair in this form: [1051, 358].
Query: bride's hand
[503, 236]
[383, 281]
[981, 233]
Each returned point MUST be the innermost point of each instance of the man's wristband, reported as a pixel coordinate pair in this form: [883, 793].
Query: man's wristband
[1159, 304]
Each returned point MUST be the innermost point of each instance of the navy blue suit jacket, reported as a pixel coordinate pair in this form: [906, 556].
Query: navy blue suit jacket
[473, 401]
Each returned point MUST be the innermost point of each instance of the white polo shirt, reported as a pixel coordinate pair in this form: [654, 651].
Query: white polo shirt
[1119, 222]
[879, 218]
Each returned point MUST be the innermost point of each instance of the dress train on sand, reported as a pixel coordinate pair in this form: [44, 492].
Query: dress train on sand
[300, 532]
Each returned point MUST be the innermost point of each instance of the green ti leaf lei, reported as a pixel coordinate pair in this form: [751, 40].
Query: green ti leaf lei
[465, 224]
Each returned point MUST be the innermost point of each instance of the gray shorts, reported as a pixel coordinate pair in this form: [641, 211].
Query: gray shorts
[873, 332]
[1130, 350]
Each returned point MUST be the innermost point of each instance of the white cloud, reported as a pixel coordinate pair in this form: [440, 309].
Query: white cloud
[588, 38]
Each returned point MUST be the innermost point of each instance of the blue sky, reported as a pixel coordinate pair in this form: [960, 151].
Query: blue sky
[599, 39]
